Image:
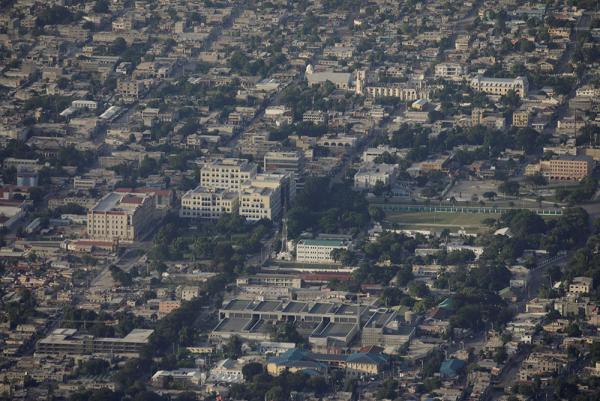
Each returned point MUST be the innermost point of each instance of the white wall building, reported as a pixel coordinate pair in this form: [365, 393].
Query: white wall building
[500, 86]
[226, 173]
[449, 71]
[319, 250]
[369, 174]
[208, 203]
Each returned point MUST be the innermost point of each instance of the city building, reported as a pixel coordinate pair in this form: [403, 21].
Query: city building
[286, 162]
[501, 86]
[226, 173]
[69, 342]
[315, 116]
[208, 203]
[453, 71]
[121, 216]
[370, 174]
[521, 118]
[581, 285]
[319, 250]
[260, 203]
[564, 167]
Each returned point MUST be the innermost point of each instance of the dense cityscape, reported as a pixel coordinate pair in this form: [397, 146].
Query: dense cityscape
[273, 200]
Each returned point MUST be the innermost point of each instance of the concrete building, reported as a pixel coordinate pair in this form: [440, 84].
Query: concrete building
[565, 167]
[27, 178]
[121, 216]
[452, 71]
[130, 91]
[208, 203]
[521, 118]
[500, 86]
[226, 173]
[260, 203]
[69, 342]
[319, 250]
[265, 279]
[286, 162]
[581, 285]
[315, 117]
[341, 80]
[327, 325]
[369, 174]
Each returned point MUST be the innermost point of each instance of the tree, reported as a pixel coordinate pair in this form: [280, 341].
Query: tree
[489, 195]
[418, 289]
[118, 46]
[252, 369]
[376, 213]
[275, 394]
[101, 6]
[500, 355]
[509, 188]
[573, 330]
[233, 348]
[94, 367]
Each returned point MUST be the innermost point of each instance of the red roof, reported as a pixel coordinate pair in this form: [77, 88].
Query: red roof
[161, 192]
[326, 276]
[132, 199]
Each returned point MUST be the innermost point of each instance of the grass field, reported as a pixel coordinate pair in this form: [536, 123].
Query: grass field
[471, 222]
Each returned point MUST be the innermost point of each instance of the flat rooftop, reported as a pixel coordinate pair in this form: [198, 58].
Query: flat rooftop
[322, 242]
[232, 324]
[336, 330]
[116, 201]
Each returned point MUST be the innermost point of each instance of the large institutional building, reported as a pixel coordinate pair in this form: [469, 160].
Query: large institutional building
[319, 250]
[500, 86]
[233, 186]
[122, 216]
[563, 168]
[226, 173]
[207, 203]
[326, 324]
[70, 342]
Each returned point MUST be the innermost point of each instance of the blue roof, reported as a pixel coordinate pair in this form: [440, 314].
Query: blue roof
[291, 355]
[367, 357]
[452, 367]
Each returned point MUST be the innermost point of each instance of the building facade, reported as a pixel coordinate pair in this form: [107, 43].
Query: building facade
[319, 250]
[501, 86]
[121, 216]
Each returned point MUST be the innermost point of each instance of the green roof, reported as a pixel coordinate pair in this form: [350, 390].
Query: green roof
[323, 242]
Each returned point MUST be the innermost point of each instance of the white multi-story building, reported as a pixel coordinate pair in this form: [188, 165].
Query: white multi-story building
[226, 173]
[370, 174]
[121, 216]
[208, 203]
[260, 203]
[449, 70]
[315, 116]
[500, 86]
[260, 197]
[319, 250]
